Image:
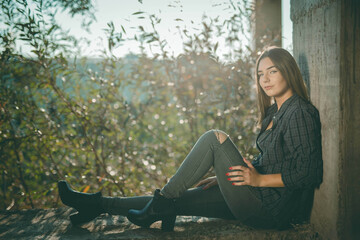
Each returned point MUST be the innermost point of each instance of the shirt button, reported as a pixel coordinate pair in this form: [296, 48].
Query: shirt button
[274, 117]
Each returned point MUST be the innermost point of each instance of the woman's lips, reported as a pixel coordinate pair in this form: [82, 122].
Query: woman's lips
[268, 87]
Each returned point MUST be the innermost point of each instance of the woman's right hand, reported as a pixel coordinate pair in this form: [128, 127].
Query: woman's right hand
[208, 182]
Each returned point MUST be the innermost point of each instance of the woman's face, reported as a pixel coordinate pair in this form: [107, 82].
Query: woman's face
[271, 80]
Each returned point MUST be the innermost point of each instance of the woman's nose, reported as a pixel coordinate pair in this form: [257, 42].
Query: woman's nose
[265, 77]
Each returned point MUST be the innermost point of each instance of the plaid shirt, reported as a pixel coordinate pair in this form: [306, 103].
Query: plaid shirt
[291, 147]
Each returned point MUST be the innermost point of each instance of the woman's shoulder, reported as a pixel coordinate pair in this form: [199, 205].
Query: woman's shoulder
[303, 107]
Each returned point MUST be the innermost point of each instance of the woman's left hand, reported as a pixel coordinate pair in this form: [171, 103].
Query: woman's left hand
[241, 175]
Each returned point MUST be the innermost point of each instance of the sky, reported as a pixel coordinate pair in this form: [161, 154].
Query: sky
[121, 13]
[286, 27]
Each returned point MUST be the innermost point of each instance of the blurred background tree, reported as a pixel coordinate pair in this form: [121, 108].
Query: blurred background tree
[120, 125]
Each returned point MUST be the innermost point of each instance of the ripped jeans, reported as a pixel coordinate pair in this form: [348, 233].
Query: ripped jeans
[213, 149]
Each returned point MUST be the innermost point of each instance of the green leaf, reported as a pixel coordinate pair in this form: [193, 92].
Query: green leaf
[216, 46]
[123, 29]
[137, 13]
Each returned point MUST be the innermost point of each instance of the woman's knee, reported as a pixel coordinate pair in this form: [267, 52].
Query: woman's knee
[220, 135]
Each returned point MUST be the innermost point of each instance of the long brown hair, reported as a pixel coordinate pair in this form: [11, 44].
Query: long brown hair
[290, 71]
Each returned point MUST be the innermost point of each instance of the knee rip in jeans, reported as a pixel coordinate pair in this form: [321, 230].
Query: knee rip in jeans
[220, 135]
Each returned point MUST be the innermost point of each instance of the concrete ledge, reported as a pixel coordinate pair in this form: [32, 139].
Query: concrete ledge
[55, 224]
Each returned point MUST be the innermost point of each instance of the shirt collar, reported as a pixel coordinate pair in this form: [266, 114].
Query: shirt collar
[284, 106]
[275, 114]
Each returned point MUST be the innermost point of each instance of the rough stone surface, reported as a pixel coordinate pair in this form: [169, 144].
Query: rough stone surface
[326, 34]
[55, 224]
[316, 49]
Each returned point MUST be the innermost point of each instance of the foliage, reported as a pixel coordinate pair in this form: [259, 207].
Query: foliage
[120, 125]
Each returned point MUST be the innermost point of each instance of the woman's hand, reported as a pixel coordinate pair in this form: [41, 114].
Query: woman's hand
[246, 175]
[208, 182]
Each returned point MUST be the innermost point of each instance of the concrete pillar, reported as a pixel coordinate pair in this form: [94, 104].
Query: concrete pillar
[326, 41]
[267, 23]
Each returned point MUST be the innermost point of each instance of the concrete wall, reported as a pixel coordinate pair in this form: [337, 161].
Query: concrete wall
[267, 27]
[349, 218]
[326, 45]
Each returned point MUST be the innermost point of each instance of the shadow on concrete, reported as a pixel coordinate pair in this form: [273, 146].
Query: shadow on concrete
[304, 69]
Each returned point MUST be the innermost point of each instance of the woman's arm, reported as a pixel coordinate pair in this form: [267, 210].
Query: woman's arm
[250, 176]
[302, 140]
[271, 180]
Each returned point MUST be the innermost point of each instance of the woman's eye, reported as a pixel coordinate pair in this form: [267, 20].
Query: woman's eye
[272, 72]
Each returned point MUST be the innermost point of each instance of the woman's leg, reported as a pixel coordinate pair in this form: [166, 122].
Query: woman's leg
[204, 203]
[210, 151]
[194, 202]
[196, 164]
[214, 148]
[185, 205]
[240, 199]
[176, 186]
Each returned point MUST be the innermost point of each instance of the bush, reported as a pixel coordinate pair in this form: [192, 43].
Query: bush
[120, 125]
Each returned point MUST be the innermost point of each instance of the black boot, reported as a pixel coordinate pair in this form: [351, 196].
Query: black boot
[159, 208]
[87, 205]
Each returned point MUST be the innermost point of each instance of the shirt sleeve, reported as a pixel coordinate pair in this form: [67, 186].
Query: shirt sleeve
[302, 138]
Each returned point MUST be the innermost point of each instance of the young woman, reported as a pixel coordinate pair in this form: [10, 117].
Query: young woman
[273, 191]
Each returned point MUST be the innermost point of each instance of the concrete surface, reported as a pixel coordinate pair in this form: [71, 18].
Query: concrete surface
[55, 224]
[267, 23]
[326, 36]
